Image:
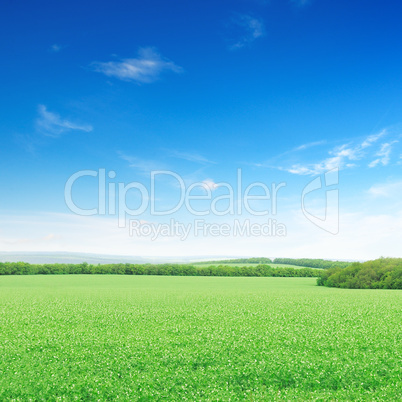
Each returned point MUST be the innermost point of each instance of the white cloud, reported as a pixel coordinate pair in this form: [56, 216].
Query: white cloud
[373, 138]
[273, 162]
[299, 169]
[308, 145]
[252, 27]
[146, 68]
[339, 159]
[386, 189]
[52, 125]
[143, 165]
[191, 157]
[342, 157]
[55, 48]
[210, 184]
[384, 155]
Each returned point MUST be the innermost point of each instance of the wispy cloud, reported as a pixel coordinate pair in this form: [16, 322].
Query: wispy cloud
[383, 154]
[27, 142]
[341, 157]
[52, 125]
[273, 161]
[301, 3]
[371, 139]
[145, 166]
[308, 145]
[252, 28]
[189, 156]
[55, 48]
[386, 189]
[145, 68]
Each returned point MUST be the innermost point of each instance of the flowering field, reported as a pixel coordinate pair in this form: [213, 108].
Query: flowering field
[196, 338]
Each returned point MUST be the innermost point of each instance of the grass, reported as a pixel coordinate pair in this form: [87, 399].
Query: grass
[196, 338]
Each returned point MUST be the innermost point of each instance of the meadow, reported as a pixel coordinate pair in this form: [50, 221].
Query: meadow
[103, 337]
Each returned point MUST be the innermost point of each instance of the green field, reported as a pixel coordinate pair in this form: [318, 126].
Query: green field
[196, 338]
[230, 264]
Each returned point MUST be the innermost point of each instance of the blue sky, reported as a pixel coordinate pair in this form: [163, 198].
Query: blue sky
[283, 90]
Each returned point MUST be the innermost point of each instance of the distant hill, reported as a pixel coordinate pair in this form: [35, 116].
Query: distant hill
[90, 258]
[67, 258]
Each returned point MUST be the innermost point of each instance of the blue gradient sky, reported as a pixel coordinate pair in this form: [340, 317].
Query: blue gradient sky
[283, 90]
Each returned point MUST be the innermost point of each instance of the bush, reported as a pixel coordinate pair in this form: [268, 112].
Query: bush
[383, 273]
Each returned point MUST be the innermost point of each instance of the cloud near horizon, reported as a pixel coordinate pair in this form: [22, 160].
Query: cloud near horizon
[386, 189]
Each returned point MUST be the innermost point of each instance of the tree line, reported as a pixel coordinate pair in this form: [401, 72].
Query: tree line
[23, 268]
[300, 262]
[312, 262]
[383, 273]
[254, 260]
